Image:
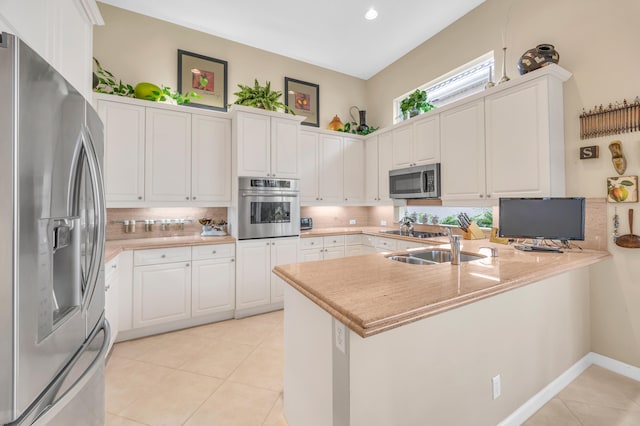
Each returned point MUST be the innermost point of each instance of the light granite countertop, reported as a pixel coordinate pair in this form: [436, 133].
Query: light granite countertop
[114, 247]
[371, 294]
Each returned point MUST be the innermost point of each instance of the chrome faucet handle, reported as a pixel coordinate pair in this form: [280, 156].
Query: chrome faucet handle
[492, 250]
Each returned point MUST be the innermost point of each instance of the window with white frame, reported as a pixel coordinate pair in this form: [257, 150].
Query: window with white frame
[466, 80]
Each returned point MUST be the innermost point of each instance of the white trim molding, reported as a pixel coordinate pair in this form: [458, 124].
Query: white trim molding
[91, 11]
[537, 401]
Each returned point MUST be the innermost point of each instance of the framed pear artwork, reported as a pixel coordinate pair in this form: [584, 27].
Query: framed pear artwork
[622, 189]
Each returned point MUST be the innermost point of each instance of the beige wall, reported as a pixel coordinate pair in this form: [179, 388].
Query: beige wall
[597, 42]
[137, 48]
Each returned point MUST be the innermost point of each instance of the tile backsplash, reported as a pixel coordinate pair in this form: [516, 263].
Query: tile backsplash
[116, 217]
[334, 216]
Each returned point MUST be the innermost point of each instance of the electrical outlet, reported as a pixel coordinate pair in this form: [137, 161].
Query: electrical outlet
[496, 386]
[383, 223]
[340, 336]
[352, 221]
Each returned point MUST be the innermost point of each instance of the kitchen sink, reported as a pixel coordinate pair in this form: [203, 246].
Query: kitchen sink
[414, 234]
[432, 257]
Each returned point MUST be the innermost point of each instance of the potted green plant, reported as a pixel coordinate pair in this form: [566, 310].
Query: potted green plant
[261, 97]
[415, 103]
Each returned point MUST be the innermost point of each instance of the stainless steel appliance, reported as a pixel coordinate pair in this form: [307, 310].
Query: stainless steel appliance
[415, 182]
[268, 208]
[306, 223]
[52, 212]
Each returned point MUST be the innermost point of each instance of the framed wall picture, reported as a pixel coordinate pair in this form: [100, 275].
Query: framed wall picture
[204, 75]
[304, 99]
[622, 189]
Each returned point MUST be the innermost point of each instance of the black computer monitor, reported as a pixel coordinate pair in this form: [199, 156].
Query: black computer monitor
[542, 218]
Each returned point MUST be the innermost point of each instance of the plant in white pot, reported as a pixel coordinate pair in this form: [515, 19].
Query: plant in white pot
[415, 104]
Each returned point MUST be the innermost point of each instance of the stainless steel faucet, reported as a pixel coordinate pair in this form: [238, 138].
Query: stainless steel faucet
[406, 222]
[454, 240]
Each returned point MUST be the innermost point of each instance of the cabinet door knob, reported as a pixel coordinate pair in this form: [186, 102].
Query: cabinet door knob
[163, 256]
[193, 198]
[213, 252]
[114, 266]
[346, 199]
[233, 260]
[481, 196]
[488, 195]
[186, 198]
[187, 264]
[139, 197]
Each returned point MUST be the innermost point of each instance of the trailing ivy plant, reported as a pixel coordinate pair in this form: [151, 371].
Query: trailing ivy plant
[261, 97]
[352, 127]
[107, 83]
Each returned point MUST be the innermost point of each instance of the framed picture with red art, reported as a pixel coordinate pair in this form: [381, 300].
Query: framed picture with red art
[304, 99]
[205, 76]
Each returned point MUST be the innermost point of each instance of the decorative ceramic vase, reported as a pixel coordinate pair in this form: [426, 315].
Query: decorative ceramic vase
[363, 121]
[538, 57]
[336, 124]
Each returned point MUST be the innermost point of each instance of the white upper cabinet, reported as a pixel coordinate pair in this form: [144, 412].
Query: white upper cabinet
[330, 175]
[60, 31]
[124, 130]
[164, 155]
[267, 145]
[309, 163]
[507, 143]
[353, 174]
[463, 158]
[524, 141]
[210, 158]
[417, 142]
[168, 156]
[378, 152]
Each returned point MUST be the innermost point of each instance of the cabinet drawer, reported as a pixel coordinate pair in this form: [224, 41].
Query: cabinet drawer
[334, 241]
[354, 239]
[384, 243]
[309, 243]
[213, 251]
[164, 255]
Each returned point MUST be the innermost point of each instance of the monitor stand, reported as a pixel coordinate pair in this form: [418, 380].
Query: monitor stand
[537, 247]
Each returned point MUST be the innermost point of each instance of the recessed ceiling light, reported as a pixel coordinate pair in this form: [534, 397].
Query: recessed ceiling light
[371, 14]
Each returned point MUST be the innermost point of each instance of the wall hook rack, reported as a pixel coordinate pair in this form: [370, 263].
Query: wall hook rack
[615, 119]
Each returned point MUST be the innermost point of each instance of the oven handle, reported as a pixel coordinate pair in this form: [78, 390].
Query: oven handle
[271, 194]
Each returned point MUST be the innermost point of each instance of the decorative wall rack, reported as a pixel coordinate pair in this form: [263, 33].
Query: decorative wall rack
[621, 117]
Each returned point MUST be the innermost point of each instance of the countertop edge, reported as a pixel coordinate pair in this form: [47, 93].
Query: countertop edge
[114, 247]
[375, 327]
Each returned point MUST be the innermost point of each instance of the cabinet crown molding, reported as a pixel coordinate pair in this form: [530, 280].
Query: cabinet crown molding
[91, 11]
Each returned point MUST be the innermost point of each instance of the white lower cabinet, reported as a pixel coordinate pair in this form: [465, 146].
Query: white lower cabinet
[178, 287]
[161, 293]
[213, 280]
[322, 248]
[112, 295]
[257, 288]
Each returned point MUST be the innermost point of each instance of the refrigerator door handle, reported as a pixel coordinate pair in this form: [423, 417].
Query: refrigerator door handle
[59, 403]
[95, 173]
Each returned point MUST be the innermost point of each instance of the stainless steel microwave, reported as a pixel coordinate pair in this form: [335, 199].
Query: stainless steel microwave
[415, 182]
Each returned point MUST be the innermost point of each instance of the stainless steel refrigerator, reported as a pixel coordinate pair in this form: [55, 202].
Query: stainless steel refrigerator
[53, 334]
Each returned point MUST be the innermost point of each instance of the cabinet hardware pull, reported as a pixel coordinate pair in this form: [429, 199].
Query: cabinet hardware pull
[213, 252]
[163, 256]
[187, 264]
[186, 198]
[114, 266]
[481, 196]
[233, 260]
[193, 198]
[139, 197]
[107, 287]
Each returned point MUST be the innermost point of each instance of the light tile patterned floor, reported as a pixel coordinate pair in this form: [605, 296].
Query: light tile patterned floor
[227, 373]
[598, 397]
[230, 373]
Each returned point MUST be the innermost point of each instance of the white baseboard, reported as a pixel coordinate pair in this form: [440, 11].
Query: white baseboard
[616, 366]
[537, 401]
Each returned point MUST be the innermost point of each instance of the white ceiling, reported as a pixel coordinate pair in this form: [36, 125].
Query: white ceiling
[332, 33]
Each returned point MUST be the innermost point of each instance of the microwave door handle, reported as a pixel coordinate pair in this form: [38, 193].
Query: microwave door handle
[423, 182]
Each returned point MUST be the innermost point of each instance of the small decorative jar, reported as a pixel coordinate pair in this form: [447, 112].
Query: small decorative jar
[538, 57]
[335, 124]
